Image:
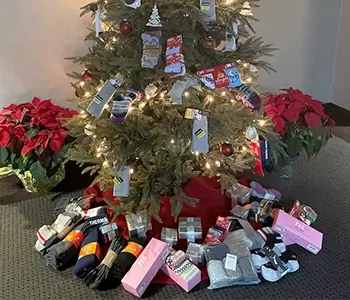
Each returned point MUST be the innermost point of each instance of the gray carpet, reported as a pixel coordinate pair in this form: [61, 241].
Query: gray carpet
[322, 183]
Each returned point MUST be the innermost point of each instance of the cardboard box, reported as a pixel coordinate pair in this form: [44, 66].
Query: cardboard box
[298, 232]
[146, 267]
[187, 275]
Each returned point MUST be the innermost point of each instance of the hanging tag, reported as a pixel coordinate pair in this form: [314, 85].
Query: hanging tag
[98, 22]
[200, 137]
[105, 94]
[193, 114]
[231, 262]
[133, 3]
[231, 39]
[208, 10]
[122, 182]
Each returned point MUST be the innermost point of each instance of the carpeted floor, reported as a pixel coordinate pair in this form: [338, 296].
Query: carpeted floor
[322, 183]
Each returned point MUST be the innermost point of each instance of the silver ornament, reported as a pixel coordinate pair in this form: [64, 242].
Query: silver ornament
[251, 133]
[151, 90]
[105, 146]
[89, 129]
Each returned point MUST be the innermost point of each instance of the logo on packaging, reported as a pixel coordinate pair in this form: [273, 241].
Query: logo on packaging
[300, 226]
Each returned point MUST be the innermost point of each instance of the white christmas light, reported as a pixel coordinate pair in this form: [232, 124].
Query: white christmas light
[244, 148]
[162, 95]
[245, 65]
[81, 83]
[132, 171]
[99, 155]
[87, 94]
[196, 153]
[217, 163]
[114, 39]
[186, 94]
[223, 93]
[210, 99]
[106, 1]
[207, 165]
[105, 163]
[82, 112]
[172, 141]
[95, 136]
[106, 106]
[262, 122]
[249, 79]
[148, 97]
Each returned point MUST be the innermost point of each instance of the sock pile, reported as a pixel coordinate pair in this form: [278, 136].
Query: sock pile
[59, 255]
[274, 261]
[99, 278]
[127, 257]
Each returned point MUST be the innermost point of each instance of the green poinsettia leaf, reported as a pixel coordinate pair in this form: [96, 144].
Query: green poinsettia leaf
[38, 172]
[32, 133]
[4, 154]
[294, 146]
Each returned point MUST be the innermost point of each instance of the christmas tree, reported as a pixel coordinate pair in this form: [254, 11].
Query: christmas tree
[161, 105]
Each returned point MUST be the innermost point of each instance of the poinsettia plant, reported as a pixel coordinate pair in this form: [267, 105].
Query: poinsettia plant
[297, 117]
[32, 137]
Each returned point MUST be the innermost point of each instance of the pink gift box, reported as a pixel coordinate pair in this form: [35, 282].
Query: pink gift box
[145, 267]
[295, 231]
[187, 275]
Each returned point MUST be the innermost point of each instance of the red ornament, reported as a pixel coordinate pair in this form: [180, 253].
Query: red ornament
[87, 76]
[226, 149]
[125, 27]
[209, 43]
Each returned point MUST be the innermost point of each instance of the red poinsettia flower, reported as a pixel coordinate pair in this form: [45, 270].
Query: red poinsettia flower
[276, 112]
[4, 137]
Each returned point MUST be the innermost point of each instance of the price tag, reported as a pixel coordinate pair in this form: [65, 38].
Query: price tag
[231, 262]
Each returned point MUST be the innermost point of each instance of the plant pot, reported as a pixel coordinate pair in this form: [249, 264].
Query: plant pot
[284, 172]
[42, 187]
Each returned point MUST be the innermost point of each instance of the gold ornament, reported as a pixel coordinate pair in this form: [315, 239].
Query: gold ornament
[151, 90]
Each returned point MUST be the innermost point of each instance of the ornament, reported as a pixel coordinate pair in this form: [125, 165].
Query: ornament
[246, 9]
[226, 149]
[251, 133]
[151, 90]
[133, 3]
[89, 129]
[125, 27]
[154, 19]
[87, 76]
[209, 43]
[105, 146]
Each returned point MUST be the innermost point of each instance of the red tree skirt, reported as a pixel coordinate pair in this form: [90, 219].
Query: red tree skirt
[212, 203]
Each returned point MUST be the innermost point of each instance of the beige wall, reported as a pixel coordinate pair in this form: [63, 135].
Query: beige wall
[305, 31]
[342, 69]
[38, 34]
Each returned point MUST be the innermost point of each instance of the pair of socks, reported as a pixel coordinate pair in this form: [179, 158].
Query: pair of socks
[273, 266]
[272, 240]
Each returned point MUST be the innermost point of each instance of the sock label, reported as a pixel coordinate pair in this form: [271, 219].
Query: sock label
[75, 237]
[133, 248]
[231, 262]
[91, 249]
